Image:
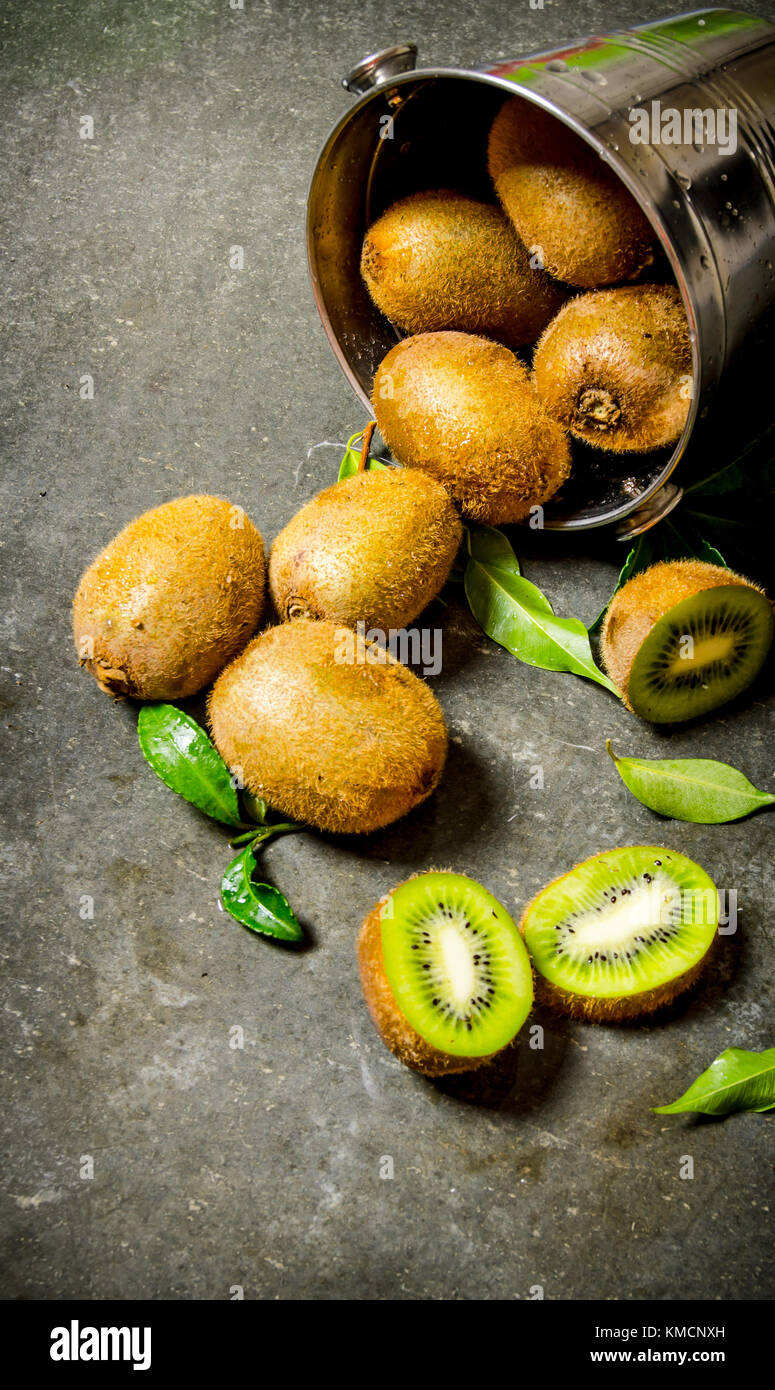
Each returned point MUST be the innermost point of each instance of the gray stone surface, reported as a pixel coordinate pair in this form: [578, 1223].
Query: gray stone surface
[261, 1167]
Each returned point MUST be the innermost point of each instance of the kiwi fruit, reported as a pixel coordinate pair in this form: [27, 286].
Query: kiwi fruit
[615, 368]
[327, 728]
[622, 934]
[374, 548]
[683, 637]
[445, 973]
[563, 198]
[464, 409]
[171, 600]
[440, 260]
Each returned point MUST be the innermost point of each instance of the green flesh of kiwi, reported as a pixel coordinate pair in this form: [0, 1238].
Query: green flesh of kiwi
[456, 964]
[622, 933]
[672, 679]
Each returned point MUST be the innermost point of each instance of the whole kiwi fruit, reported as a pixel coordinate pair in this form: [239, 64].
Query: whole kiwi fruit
[171, 599]
[563, 199]
[374, 548]
[328, 728]
[439, 260]
[615, 368]
[683, 637]
[464, 409]
[444, 972]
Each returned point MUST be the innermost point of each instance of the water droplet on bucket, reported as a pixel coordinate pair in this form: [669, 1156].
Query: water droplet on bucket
[684, 181]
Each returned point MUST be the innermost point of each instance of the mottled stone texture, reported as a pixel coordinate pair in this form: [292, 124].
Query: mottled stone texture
[216, 1166]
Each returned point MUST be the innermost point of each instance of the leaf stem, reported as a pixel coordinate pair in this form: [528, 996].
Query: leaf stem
[263, 832]
[368, 435]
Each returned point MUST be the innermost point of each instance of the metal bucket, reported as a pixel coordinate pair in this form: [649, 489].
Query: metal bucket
[713, 208]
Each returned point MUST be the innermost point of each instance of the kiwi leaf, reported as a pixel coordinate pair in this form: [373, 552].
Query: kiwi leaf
[514, 612]
[258, 906]
[692, 789]
[737, 1080]
[182, 755]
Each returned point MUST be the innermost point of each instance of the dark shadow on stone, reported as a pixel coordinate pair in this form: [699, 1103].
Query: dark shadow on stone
[516, 1080]
[430, 836]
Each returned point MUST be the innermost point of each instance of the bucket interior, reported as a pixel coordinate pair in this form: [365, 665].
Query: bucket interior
[430, 132]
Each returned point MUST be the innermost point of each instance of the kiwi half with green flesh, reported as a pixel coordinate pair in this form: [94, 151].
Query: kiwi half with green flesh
[444, 972]
[615, 368]
[622, 934]
[374, 548]
[171, 599]
[327, 728]
[464, 410]
[562, 197]
[684, 637]
[440, 260]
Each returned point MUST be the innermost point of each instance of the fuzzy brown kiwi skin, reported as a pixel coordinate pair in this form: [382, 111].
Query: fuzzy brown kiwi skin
[648, 597]
[346, 745]
[375, 548]
[560, 196]
[626, 1007]
[396, 1033]
[464, 409]
[470, 271]
[612, 368]
[173, 598]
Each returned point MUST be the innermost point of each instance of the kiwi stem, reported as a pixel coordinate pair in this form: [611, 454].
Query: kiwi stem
[262, 832]
[368, 435]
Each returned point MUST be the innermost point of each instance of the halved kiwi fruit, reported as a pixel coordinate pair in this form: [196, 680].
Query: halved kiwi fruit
[444, 972]
[622, 934]
[684, 637]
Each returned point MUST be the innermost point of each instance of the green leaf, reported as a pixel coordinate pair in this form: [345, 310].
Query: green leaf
[349, 464]
[490, 547]
[693, 789]
[737, 1080]
[256, 808]
[182, 755]
[516, 614]
[258, 906]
